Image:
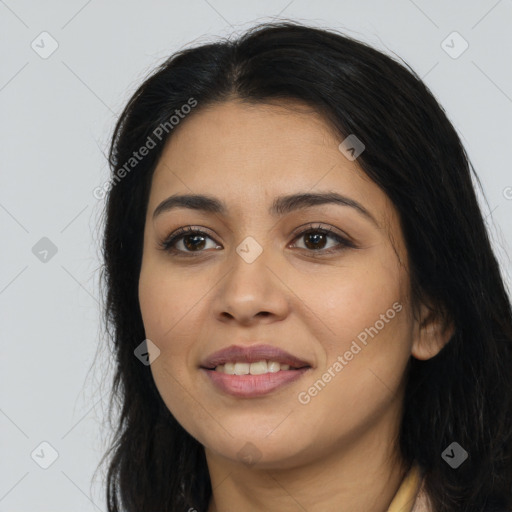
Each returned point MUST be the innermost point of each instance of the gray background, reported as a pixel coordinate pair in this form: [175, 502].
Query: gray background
[57, 114]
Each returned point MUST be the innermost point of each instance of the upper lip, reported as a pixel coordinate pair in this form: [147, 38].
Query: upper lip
[252, 354]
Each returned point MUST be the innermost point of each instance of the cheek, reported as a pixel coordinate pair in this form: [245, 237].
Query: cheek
[167, 301]
[368, 341]
[169, 308]
[355, 298]
[360, 380]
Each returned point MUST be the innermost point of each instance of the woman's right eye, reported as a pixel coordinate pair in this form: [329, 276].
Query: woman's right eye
[190, 238]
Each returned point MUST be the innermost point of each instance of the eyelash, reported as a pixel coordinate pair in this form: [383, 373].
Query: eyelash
[168, 243]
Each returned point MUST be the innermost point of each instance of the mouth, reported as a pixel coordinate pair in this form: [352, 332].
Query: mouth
[257, 368]
[252, 371]
[253, 360]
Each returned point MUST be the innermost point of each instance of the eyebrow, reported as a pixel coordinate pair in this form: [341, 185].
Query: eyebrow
[280, 206]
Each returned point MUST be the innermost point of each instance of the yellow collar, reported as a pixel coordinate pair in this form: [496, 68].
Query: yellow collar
[407, 492]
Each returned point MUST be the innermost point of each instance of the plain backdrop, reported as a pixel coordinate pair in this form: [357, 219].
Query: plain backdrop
[67, 69]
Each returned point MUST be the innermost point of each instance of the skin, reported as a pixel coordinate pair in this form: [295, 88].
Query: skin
[338, 451]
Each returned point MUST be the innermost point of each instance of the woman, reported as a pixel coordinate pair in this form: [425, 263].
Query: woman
[304, 304]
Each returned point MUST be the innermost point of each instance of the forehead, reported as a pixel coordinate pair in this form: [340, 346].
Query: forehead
[248, 154]
[234, 133]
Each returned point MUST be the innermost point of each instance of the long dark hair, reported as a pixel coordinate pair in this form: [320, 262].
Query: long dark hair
[463, 395]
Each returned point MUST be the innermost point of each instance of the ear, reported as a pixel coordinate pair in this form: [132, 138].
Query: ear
[431, 333]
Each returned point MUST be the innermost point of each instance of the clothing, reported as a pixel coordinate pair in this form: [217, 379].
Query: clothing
[411, 495]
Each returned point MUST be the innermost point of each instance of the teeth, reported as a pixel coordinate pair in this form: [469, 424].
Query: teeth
[274, 366]
[242, 368]
[257, 368]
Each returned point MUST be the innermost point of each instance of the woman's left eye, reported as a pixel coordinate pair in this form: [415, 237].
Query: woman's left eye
[193, 240]
[317, 236]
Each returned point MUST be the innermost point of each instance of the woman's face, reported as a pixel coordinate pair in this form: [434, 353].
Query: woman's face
[341, 305]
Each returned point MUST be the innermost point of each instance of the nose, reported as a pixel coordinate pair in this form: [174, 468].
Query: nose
[251, 292]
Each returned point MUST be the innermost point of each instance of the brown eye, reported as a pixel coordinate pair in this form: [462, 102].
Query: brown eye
[316, 239]
[192, 240]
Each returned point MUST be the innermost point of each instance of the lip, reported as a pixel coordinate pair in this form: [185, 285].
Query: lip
[250, 386]
[252, 354]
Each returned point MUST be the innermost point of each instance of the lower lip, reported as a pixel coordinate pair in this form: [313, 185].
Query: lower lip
[247, 386]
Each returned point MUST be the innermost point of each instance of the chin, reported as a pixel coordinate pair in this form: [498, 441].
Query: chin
[258, 452]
